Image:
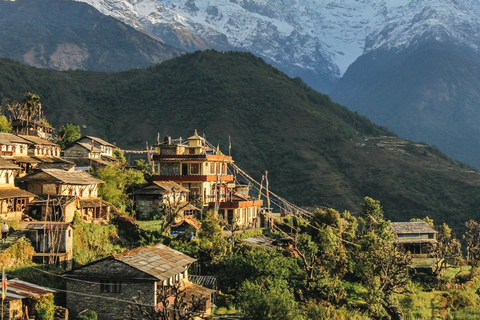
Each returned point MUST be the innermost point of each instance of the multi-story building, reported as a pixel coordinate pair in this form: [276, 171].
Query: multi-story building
[203, 170]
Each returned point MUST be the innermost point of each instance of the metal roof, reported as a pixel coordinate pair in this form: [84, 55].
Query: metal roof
[48, 225]
[412, 227]
[158, 261]
[18, 289]
[88, 147]
[62, 176]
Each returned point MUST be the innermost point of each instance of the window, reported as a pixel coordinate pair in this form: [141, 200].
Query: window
[191, 151]
[212, 168]
[109, 286]
[81, 192]
[195, 168]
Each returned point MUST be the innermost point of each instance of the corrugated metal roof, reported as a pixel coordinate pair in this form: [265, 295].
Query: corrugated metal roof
[62, 176]
[48, 226]
[412, 227]
[158, 261]
[18, 289]
[14, 192]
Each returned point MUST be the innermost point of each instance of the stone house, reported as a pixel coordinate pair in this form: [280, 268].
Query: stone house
[20, 299]
[13, 147]
[52, 241]
[416, 237]
[13, 201]
[93, 145]
[85, 155]
[65, 192]
[147, 275]
[154, 197]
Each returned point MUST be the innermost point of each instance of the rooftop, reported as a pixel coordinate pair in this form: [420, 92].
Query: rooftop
[62, 176]
[412, 227]
[158, 261]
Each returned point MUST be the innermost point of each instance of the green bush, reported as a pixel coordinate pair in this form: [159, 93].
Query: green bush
[45, 307]
[89, 315]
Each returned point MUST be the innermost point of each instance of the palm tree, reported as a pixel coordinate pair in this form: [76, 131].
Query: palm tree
[31, 102]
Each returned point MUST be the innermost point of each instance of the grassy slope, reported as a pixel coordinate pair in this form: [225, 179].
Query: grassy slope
[314, 150]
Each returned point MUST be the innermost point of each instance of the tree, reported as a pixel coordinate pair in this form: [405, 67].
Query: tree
[268, 299]
[5, 125]
[447, 248]
[213, 246]
[45, 307]
[472, 238]
[380, 264]
[67, 134]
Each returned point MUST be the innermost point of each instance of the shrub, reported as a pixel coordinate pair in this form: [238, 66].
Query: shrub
[45, 307]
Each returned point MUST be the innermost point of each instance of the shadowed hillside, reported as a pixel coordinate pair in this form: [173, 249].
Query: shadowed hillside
[316, 151]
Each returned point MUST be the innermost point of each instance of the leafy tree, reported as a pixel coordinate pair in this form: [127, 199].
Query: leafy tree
[67, 134]
[213, 246]
[380, 264]
[447, 248]
[119, 184]
[5, 125]
[472, 238]
[426, 219]
[268, 299]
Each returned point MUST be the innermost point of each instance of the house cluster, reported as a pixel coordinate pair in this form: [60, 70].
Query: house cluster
[194, 173]
[42, 190]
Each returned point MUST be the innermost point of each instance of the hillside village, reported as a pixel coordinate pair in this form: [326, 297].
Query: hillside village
[191, 235]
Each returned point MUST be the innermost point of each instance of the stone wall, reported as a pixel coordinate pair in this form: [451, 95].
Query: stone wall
[169, 169]
[108, 305]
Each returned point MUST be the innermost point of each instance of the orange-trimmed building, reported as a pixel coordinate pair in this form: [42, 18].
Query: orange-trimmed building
[203, 170]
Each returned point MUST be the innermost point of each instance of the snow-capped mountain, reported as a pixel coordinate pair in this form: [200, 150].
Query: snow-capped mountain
[317, 39]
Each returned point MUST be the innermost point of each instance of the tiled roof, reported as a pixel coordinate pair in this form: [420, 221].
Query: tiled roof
[62, 176]
[412, 227]
[158, 261]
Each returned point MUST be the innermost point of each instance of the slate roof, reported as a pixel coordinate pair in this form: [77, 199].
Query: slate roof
[88, 147]
[9, 138]
[62, 176]
[5, 164]
[102, 142]
[162, 187]
[412, 227]
[158, 261]
[93, 203]
[14, 192]
[37, 140]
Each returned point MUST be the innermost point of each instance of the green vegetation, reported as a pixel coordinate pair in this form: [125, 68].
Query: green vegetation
[67, 134]
[94, 241]
[45, 308]
[316, 151]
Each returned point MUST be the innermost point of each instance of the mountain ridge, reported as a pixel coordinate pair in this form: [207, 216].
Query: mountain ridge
[316, 151]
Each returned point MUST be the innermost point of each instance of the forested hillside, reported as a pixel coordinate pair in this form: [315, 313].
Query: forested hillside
[317, 152]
